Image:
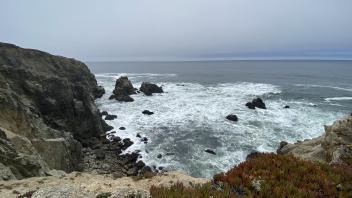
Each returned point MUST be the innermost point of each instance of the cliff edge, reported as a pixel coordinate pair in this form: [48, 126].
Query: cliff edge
[46, 109]
[333, 147]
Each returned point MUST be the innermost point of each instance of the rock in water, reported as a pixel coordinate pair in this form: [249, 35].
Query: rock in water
[104, 113]
[110, 117]
[150, 88]
[258, 102]
[53, 98]
[147, 112]
[126, 143]
[232, 117]
[123, 90]
[286, 107]
[250, 105]
[210, 151]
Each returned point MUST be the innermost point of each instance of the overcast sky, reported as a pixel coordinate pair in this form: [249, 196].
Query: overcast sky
[180, 29]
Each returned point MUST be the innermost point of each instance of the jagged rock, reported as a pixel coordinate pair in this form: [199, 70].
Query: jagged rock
[258, 102]
[334, 146]
[232, 117]
[105, 126]
[145, 140]
[146, 169]
[104, 113]
[100, 154]
[116, 139]
[126, 143]
[147, 112]
[210, 151]
[140, 164]
[47, 103]
[122, 98]
[99, 92]
[123, 90]
[149, 88]
[110, 117]
[250, 105]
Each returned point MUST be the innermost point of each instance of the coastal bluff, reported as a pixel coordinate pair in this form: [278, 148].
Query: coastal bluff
[46, 109]
[332, 147]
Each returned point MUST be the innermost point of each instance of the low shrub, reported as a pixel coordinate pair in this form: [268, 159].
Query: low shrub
[270, 175]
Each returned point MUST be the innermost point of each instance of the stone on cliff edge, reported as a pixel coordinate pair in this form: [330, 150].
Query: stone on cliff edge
[150, 88]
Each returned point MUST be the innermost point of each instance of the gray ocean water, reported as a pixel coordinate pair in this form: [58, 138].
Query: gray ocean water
[190, 116]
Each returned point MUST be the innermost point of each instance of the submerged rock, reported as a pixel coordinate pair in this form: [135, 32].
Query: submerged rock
[150, 88]
[232, 117]
[210, 151]
[258, 102]
[147, 112]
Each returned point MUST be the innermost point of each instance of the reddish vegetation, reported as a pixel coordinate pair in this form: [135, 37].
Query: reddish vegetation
[271, 175]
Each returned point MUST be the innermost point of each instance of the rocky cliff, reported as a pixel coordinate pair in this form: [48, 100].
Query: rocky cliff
[334, 146]
[46, 109]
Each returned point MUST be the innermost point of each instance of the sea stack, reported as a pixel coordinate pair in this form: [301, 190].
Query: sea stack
[123, 90]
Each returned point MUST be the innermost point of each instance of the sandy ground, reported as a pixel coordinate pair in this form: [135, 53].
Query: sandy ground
[94, 184]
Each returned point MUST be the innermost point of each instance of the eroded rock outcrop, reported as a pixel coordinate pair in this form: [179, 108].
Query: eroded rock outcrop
[149, 88]
[47, 108]
[123, 90]
[257, 102]
[334, 146]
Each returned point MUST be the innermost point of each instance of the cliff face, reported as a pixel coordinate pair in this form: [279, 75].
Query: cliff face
[46, 105]
[334, 146]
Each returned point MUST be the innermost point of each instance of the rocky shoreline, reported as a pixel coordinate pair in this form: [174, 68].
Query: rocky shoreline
[49, 120]
[50, 127]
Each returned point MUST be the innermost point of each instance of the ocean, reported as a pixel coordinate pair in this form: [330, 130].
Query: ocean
[190, 116]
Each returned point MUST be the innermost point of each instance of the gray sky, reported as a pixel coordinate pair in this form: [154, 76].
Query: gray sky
[180, 29]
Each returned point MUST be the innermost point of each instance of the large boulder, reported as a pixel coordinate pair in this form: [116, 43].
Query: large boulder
[257, 102]
[123, 90]
[334, 146]
[149, 88]
[46, 101]
[232, 117]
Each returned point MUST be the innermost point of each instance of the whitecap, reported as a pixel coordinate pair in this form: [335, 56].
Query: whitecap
[338, 98]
